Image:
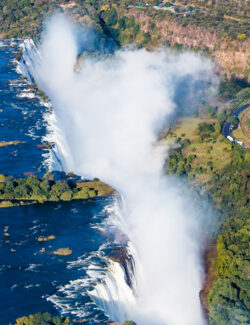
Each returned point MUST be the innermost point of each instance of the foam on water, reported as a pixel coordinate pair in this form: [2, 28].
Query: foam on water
[26, 94]
[31, 56]
[73, 298]
[113, 294]
[33, 268]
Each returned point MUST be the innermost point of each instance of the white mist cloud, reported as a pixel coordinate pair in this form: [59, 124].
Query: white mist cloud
[109, 115]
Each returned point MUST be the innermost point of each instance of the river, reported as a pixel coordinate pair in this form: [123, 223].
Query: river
[105, 122]
[33, 279]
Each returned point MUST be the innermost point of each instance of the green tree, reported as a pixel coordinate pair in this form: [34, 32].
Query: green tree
[32, 181]
[122, 23]
[136, 29]
[110, 16]
[45, 186]
[9, 187]
[243, 94]
[21, 191]
[66, 196]
[42, 319]
[211, 111]
[147, 38]
[59, 188]
[233, 120]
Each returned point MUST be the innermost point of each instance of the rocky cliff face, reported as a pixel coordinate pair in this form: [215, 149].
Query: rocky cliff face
[230, 56]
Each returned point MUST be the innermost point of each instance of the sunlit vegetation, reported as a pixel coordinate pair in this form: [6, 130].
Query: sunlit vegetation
[129, 322]
[42, 319]
[227, 183]
[205, 157]
[234, 88]
[242, 133]
[24, 18]
[15, 191]
[112, 19]
[47, 319]
[123, 30]
[229, 296]
[38, 91]
[231, 8]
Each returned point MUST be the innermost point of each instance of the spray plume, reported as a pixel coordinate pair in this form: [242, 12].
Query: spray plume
[108, 118]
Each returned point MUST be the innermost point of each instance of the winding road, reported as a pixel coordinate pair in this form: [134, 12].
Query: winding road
[229, 127]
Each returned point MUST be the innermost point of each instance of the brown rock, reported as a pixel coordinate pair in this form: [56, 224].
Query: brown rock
[63, 252]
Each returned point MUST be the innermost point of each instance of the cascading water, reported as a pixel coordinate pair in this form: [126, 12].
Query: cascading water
[116, 292]
[30, 58]
[112, 293]
[108, 117]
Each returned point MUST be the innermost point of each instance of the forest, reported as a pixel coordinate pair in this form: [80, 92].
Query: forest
[198, 159]
[15, 191]
[47, 319]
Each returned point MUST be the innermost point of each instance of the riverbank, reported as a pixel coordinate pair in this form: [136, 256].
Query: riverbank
[223, 181]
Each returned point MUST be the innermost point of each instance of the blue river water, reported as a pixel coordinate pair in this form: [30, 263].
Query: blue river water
[21, 119]
[32, 278]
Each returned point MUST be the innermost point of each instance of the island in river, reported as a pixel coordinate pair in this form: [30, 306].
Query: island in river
[30, 190]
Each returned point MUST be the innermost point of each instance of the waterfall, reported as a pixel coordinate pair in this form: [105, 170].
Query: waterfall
[114, 295]
[114, 292]
[29, 60]
[108, 117]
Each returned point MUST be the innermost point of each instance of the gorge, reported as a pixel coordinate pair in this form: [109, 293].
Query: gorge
[106, 121]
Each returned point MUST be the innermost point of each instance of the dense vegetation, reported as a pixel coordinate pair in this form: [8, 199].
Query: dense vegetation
[25, 17]
[207, 158]
[231, 7]
[42, 319]
[119, 23]
[217, 18]
[224, 27]
[46, 189]
[47, 319]
[230, 189]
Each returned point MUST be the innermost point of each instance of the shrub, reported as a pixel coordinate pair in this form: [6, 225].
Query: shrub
[233, 120]
[66, 196]
[147, 38]
[211, 111]
[42, 319]
[206, 128]
[186, 142]
[243, 94]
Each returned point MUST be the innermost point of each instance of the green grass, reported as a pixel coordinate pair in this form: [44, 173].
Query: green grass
[243, 131]
[221, 147]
